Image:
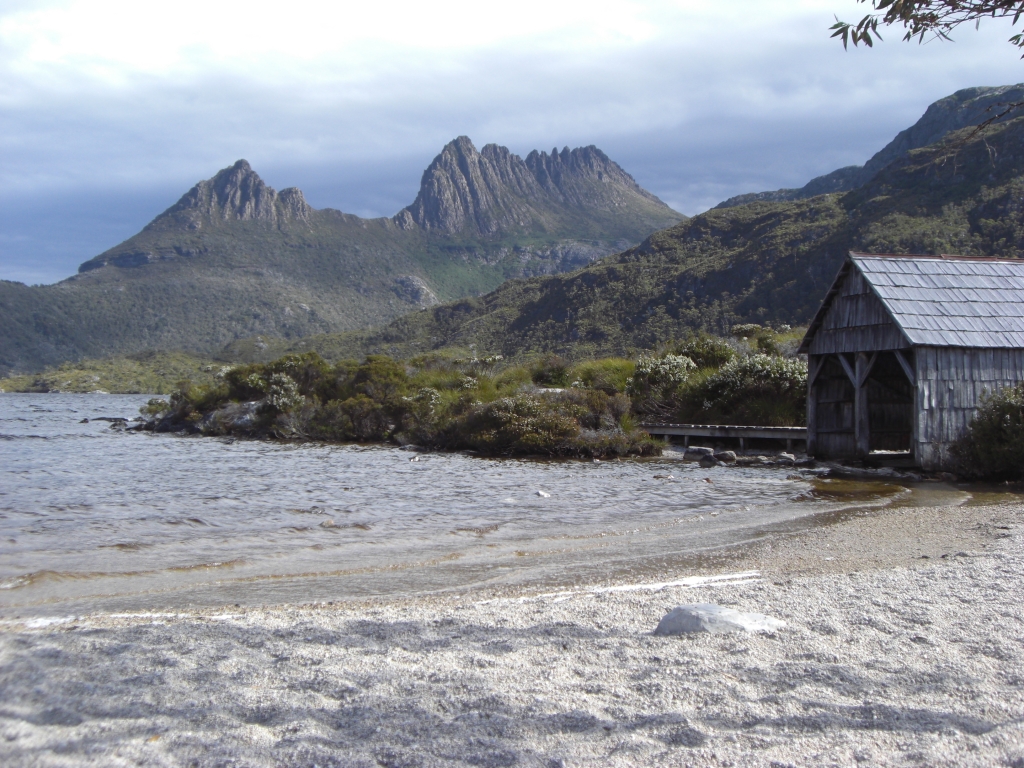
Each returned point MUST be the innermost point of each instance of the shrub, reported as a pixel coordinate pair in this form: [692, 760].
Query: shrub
[656, 381]
[993, 446]
[551, 371]
[748, 330]
[705, 350]
[760, 389]
[609, 375]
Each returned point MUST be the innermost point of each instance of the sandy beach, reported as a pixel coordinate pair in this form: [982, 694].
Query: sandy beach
[904, 645]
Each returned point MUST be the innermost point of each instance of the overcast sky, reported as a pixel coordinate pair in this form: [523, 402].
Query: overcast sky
[112, 109]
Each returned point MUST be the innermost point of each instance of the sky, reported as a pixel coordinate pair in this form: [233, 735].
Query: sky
[110, 110]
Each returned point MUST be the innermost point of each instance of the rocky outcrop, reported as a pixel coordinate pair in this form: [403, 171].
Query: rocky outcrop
[237, 193]
[414, 290]
[965, 108]
[494, 191]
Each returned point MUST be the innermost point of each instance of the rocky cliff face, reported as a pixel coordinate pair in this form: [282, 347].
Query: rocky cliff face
[233, 194]
[236, 193]
[494, 191]
[968, 107]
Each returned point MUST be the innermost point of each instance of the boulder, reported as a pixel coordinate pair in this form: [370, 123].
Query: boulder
[716, 619]
[787, 458]
[696, 451]
[728, 457]
[708, 461]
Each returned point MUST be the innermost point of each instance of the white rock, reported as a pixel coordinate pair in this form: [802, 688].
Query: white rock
[544, 495]
[716, 619]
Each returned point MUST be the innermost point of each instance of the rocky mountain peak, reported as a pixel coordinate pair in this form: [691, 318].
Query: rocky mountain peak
[487, 192]
[235, 193]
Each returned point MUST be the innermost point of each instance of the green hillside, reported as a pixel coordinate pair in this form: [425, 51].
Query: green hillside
[234, 258]
[764, 262]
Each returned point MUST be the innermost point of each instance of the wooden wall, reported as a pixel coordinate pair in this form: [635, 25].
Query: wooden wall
[832, 412]
[856, 322]
[950, 383]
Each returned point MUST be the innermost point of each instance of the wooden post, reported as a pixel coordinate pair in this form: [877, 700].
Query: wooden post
[861, 422]
[686, 441]
[814, 365]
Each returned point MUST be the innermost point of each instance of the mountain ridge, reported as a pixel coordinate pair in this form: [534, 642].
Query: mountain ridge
[767, 262]
[233, 258]
[964, 108]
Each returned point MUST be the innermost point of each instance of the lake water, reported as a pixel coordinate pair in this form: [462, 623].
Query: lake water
[97, 519]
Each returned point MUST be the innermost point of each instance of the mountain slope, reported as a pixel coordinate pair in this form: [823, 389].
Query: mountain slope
[235, 258]
[765, 262]
[963, 109]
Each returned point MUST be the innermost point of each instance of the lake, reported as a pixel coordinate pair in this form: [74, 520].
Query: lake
[93, 518]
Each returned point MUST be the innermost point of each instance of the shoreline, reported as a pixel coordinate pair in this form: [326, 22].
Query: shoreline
[903, 646]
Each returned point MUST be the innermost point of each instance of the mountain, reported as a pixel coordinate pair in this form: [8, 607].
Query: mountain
[763, 262]
[235, 258]
[966, 108]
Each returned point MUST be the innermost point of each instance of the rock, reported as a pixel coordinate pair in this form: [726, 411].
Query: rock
[415, 458]
[328, 524]
[708, 461]
[696, 451]
[787, 458]
[84, 421]
[230, 418]
[544, 495]
[664, 477]
[726, 456]
[716, 619]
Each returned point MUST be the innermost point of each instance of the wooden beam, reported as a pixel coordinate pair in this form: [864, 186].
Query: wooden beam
[905, 365]
[849, 370]
[861, 421]
[862, 377]
[814, 365]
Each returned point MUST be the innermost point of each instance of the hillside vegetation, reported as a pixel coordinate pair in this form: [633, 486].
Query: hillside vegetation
[158, 373]
[234, 258]
[550, 407]
[764, 262]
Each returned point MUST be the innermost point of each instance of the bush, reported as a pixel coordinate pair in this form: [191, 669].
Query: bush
[760, 389]
[442, 404]
[705, 350]
[551, 371]
[656, 381]
[609, 375]
[993, 446]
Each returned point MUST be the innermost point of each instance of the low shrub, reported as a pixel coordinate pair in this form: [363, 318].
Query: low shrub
[705, 350]
[442, 404]
[609, 375]
[760, 389]
[551, 371]
[993, 446]
[656, 382]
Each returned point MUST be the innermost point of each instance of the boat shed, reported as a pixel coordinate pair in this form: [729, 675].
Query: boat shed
[902, 350]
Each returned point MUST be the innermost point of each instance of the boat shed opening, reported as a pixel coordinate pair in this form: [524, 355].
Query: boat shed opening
[902, 350]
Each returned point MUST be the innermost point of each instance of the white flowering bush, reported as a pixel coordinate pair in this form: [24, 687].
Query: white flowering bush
[656, 380]
[282, 393]
[763, 390]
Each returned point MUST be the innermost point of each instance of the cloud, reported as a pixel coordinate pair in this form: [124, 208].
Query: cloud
[699, 100]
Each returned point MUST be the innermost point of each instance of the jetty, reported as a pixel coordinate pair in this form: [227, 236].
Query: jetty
[729, 431]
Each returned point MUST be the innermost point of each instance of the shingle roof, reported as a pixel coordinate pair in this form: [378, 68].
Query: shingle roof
[946, 301]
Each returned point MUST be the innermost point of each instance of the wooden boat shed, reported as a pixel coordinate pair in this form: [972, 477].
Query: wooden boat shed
[903, 348]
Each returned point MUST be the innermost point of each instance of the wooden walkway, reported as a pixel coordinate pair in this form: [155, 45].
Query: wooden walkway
[686, 431]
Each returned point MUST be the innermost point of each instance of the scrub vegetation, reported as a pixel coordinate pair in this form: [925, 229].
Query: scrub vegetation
[993, 447]
[156, 373]
[549, 406]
